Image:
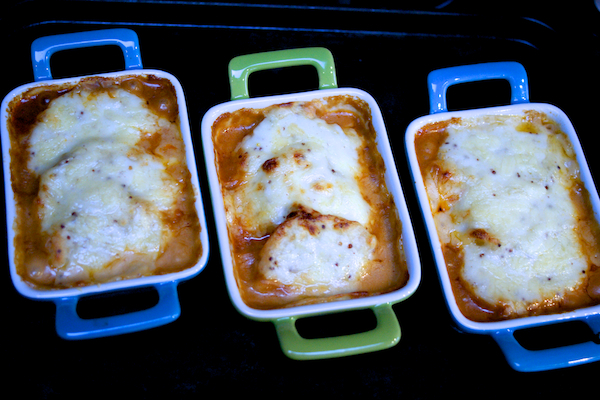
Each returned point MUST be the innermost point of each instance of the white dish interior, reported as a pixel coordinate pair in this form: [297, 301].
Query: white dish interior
[392, 181]
[30, 292]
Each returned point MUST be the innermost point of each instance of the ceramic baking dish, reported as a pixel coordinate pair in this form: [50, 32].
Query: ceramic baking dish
[387, 331]
[503, 332]
[69, 325]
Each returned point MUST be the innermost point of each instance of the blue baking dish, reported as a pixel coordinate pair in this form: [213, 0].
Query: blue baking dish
[69, 325]
[503, 332]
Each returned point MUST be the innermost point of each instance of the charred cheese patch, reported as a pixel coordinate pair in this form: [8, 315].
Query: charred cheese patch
[501, 190]
[310, 250]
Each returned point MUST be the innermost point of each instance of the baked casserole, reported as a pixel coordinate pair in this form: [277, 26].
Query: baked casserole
[101, 184]
[309, 216]
[515, 222]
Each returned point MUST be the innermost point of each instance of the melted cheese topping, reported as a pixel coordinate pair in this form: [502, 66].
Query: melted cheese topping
[115, 212]
[502, 193]
[296, 160]
[293, 158]
[106, 197]
[99, 198]
[81, 116]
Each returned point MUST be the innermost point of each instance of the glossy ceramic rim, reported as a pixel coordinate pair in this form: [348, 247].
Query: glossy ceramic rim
[515, 109]
[392, 180]
[30, 292]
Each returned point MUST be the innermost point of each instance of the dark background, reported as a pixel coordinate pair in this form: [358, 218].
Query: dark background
[384, 48]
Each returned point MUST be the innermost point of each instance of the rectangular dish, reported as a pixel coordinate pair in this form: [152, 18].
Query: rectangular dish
[514, 219]
[310, 218]
[101, 187]
[276, 169]
[100, 182]
[511, 211]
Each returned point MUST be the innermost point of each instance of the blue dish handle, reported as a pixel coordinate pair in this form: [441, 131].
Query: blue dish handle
[439, 80]
[43, 48]
[70, 326]
[525, 360]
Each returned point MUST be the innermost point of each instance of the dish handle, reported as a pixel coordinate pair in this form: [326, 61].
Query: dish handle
[525, 360]
[43, 48]
[386, 334]
[70, 326]
[439, 80]
[241, 67]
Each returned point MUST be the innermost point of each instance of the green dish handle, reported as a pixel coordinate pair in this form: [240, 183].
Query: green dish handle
[385, 335]
[241, 67]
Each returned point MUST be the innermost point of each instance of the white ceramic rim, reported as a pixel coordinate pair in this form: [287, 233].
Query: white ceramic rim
[515, 109]
[32, 293]
[392, 180]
